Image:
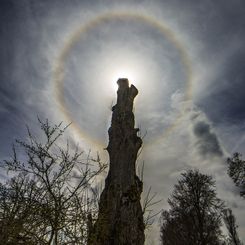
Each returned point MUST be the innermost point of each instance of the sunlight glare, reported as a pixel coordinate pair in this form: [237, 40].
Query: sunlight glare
[128, 73]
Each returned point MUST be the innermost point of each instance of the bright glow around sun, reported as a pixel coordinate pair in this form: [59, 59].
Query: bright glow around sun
[120, 65]
[123, 73]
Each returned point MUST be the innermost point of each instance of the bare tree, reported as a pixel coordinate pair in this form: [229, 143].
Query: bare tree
[48, 201]
[120, 219]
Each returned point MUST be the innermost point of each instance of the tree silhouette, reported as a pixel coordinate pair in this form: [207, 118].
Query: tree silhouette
[236, 170]
[48, 200]
[120, 219]
[230, 223]
[195, 214]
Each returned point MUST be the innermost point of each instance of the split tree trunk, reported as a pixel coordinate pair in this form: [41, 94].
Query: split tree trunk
[120, 218]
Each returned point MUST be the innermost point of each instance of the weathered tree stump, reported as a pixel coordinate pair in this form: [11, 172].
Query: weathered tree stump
[120, 218]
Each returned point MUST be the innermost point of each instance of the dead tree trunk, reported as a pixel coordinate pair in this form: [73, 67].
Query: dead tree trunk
[120, 219]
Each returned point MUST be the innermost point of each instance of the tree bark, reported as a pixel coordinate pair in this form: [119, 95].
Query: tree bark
[120, 218]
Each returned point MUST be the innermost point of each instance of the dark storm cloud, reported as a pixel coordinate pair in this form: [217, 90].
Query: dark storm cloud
[206, 141]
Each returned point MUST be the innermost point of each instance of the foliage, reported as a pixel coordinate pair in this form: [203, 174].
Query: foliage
[48, 199]
[195, 215]
[236, 170]
[230, 223]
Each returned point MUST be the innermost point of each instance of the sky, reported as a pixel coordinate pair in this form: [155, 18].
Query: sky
[61, 59]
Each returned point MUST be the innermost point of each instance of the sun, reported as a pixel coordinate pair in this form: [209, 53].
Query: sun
[123, 73]
[125, 65]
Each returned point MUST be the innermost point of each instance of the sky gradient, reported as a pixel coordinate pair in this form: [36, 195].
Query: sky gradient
[187, 59]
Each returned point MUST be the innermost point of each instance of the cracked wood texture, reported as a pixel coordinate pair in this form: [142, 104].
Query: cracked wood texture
[120, 218]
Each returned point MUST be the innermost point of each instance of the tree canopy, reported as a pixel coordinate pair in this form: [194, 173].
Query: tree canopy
[236, 170]
[195, 214]
[230, 223]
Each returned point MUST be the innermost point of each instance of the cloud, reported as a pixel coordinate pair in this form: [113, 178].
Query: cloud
[204, 138]
[206, 141]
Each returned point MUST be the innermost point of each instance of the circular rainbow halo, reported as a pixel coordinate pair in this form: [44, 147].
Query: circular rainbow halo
[116, 58]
